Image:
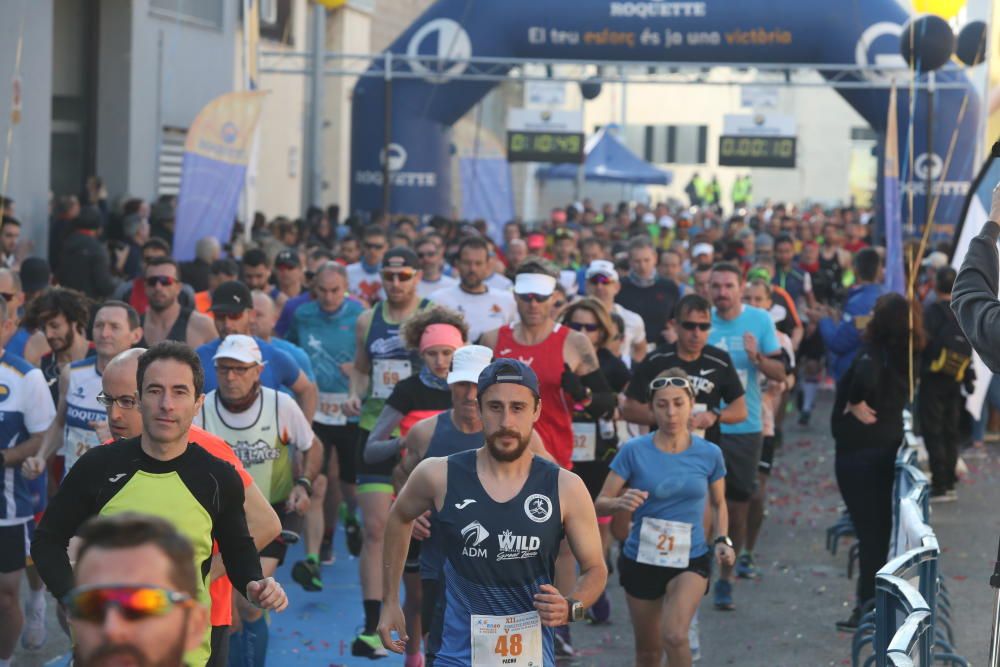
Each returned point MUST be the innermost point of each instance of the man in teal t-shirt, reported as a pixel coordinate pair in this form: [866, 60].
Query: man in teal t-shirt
[749, 336]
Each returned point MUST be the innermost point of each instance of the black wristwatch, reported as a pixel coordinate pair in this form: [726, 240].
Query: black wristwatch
[575, 610]
[3, 459]
[724, 539]
[305, 483]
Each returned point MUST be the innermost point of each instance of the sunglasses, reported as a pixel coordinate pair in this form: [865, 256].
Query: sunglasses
[580, 326]
[401, 276]
[427, 255]
[702, 326]
[163, 281]
[8, 296]
[286, 267]
[91, 603]
[599, 279]
[680, 383]
[227, 315]
[125, 401]
[536, 298]
[238, 371]
[374, 246]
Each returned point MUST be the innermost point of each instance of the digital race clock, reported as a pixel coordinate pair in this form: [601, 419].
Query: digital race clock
[757, 152]
[544, 146]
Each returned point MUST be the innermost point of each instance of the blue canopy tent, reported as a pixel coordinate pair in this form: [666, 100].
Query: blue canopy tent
[608, 161]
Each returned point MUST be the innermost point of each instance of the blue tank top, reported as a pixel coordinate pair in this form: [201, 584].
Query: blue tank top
[445, 441]
[497, 555]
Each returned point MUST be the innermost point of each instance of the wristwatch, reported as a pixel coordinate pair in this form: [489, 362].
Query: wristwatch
[724, 539]
[305, 483]
[575, 610]
[3, 459]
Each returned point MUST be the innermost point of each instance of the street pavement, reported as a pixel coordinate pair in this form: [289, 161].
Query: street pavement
[786, 618]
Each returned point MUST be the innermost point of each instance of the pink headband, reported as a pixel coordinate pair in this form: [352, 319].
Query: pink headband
[441, 334]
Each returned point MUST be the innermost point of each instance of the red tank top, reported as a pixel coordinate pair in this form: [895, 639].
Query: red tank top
[546, 358]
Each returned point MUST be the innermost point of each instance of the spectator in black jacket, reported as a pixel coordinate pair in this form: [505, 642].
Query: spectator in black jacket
[85, 263]
[867, 426]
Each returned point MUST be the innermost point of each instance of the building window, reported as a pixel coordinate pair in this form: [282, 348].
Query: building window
[276, 21]
[668, 144]
[171, 160]
[208, 13]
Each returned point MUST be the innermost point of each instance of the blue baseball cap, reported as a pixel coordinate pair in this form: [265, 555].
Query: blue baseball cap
[508, 371]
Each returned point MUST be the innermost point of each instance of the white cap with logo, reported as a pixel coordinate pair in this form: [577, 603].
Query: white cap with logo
[534, 283]
[468, 362]
[602, 267]
[240, 348]
[702, 249]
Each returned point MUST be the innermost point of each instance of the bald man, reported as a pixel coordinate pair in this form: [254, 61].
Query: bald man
[119, 393]
[262, 326]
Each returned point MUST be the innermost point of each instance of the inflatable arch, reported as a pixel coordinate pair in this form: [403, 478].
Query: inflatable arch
[795, 32]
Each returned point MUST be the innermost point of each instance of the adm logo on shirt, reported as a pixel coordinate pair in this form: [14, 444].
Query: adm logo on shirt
[474, 535]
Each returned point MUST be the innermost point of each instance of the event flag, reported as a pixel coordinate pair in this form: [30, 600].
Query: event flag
[892, 204]
[216, 154]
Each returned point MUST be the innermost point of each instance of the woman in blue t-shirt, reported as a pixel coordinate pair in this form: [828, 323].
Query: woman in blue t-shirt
[666, 562]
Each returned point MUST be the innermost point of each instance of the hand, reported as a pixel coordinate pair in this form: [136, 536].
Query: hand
[725, 554]
[121, 256]
[631, 499]
[704, 420]
[669, 334]
[573, 385]
[392, 620]
[298, 500]
[422, 527]
[267, 594]
[102, 430]
[33, 467]
[750, 347]
[862, 412]
[552, 607]
[352, 408]
[995, 206]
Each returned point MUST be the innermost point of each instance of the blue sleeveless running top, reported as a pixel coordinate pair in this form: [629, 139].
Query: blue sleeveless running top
[497, 555]
[445, 441]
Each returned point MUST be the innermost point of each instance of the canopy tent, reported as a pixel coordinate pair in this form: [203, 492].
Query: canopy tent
[608, 160]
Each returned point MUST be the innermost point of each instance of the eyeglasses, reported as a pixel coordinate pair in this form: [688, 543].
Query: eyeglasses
[536, 298]
[702, 326]
[402, 276]
[374, 246]
[164, 281]
[580, 326]
[427, 255]
[286, 267]
[228, 315]
[91, 603]
[680, 383]
[599, 279]
[238, 371]
[8, 296]
[125, 401]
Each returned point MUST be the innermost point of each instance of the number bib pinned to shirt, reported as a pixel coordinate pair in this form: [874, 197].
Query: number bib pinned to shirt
[584, 442]
[387, 373]
[505, 641]
[664, 543]
[331, 409]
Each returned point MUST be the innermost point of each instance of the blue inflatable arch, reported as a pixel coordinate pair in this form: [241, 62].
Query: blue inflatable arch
[749, 32]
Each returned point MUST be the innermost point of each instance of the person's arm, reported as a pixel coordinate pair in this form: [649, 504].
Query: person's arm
[36, 347]
[415, 443]
[771, 366]
[262, 521]
[489, 339]
[720, 524]
[583, 377]
[734, 412]
[306, 394]
[380, 440]
[35, 464]
[974, 296]
[420, 494]
[580, 524]
[637, 412]
[201, 330]
[639, 348]
[359, 378]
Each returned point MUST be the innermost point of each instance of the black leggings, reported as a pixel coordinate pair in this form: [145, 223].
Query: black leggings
[865, 478]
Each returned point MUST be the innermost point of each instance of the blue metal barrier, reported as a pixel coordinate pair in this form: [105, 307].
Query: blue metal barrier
[910, 642]
[895, 601]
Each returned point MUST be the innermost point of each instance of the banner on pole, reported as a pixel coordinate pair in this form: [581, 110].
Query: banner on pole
[892, 205]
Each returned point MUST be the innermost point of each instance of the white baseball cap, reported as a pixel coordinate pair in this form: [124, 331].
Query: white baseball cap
[534, 283]
[602, 267]
[240, 348]
[702, 249]
[468, 362]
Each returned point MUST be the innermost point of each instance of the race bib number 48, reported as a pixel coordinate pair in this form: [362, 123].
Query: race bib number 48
[664, 543]
[502, 641]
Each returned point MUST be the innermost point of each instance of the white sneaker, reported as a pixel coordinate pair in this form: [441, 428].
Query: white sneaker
[694, 640]
[34, 634]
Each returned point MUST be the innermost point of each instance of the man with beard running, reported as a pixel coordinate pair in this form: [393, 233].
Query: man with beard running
[166, 319]
[502, 513]
[116, 329]
[61, 314]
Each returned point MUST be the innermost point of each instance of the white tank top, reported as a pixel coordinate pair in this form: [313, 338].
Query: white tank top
[81, 409]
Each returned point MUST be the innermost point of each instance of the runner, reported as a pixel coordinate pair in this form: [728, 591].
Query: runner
[363, 278]
[749, 336]
[166, 319]
[27, 412]
[380, 362]
[290, 278]
[566, 364]
[603, 284]
[161, 474]
[666, 563]
[484, 308]
[502, 514]
[116, 329]
[324, 328]
[272, 438]
[432, 265]
[61, 314]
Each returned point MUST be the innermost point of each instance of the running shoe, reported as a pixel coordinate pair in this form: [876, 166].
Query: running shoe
[724, 595]
[694, 640]
[368, 646]
[850, 624]
[352, 530]
[746, 568]
[564, 649]
[804, 417]
[34, 634]
[600, 611]
[307, 575]
[326, 555]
